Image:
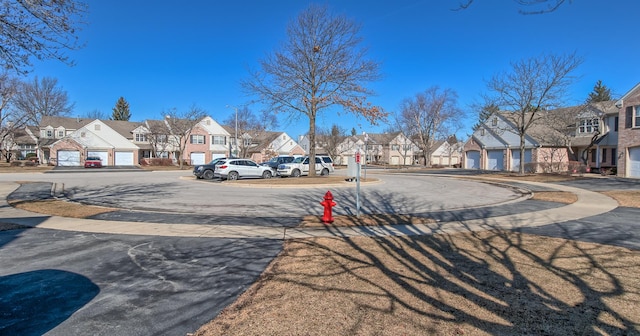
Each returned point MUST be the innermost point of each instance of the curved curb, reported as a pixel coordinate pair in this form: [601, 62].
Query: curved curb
[589, 204]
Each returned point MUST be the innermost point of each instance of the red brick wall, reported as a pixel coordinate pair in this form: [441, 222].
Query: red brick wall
[627, 137]
[201, 148]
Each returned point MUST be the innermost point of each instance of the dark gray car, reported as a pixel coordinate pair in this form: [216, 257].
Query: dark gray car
[206, 171]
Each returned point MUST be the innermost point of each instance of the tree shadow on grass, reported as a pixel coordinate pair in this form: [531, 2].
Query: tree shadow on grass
[477, 280]
[32, 303]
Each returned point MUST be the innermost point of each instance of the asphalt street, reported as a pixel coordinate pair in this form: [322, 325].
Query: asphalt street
[75, 283]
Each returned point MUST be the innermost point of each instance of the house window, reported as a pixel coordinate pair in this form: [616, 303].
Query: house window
[636, 116]
[96, 127]
[247, 142]
[219, 140]
[494, 122]
[49, 134]
[588, 125]
[161, 138]
[407, 147]
[60, 134]
[197, 139]
[141, 137]
[615, 124]
[482, 132]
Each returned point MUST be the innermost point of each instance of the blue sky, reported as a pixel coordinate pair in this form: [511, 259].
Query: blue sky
[173, 54]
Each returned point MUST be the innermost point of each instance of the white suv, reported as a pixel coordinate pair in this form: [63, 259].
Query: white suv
[300, 166]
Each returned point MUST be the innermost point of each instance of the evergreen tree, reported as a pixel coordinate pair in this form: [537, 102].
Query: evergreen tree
[353, 131]
[121, 110]
[484, 114]
[600, 93]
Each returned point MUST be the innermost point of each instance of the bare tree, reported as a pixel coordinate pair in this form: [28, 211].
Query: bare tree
[41, 29]
[181, 124]
[42, 98]
[159, 137]
[530, 88]
[10, 118]
[250, 126]
[538, 6]
[319, 67]
[430, 116]
[331, 139]
[95, 114]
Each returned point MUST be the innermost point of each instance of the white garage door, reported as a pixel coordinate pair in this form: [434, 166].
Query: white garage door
[197, 159]
[515, 158]
[472, 160]
[495, 160]
[124, 159]
[104, 156]
[395, 160]
[634, 162]
[68, 158]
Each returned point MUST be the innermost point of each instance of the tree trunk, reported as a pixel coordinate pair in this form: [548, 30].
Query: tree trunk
[521, 168]
[312, 145]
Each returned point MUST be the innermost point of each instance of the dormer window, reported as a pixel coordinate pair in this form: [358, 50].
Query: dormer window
[482, 132]
[588, 125]
[141, 137]
[60, 133]
[49, 133]
[494, 122]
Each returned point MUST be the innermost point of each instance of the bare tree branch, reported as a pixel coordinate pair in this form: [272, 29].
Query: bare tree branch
[319, 67]
[42, 29]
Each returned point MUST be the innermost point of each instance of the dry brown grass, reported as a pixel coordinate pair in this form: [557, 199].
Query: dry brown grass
[626, 198]
[564, 197]
[532, 177]
[5, 168]
[488, 283]
[60, 208]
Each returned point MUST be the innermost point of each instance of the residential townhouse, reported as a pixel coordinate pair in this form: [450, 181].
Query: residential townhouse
[563, 138]
[628, 153]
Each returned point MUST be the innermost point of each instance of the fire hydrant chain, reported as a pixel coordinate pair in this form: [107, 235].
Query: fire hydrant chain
[328, 203]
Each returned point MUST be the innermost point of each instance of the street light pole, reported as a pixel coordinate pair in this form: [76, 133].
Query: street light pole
[236, 137]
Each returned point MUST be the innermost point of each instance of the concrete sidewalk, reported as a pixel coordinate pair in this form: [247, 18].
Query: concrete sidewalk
[589, 204]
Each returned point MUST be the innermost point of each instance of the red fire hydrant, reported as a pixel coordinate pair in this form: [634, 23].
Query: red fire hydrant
[328, 203]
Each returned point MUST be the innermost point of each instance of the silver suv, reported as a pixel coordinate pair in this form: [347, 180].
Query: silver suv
[300, 166]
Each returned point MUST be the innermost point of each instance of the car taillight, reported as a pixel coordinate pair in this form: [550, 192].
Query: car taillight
[223, 167]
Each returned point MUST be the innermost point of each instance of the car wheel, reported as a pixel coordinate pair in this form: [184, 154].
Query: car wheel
[295, 173]
[233, 176]
[324, 172]
[266, 175]
[208, 174]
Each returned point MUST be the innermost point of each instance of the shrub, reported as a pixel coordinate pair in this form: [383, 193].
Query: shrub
[15, 164]
[30, 163]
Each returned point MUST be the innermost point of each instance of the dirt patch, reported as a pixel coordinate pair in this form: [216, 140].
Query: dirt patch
[564, 197]
[626, 198]
[60, 208]
[365, 220]
[487, 283]
[532, 177]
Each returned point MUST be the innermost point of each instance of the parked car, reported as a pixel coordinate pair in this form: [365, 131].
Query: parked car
[207, 171]
[93, 162]
[300, 166]
[278, 160]
[233, 169]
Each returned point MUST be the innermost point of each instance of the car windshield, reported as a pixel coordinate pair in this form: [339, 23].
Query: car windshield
[298, 160]
[274, 159]
[91, 158]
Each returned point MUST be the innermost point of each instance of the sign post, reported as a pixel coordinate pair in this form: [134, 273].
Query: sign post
[358, 183]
